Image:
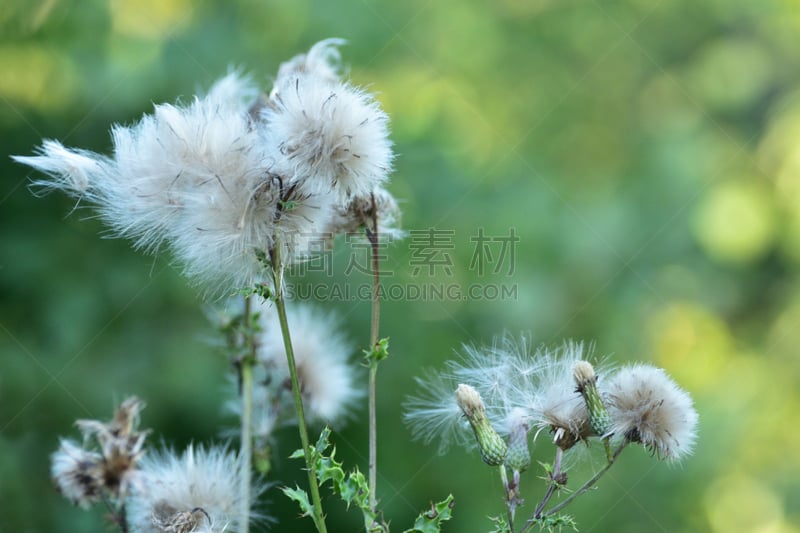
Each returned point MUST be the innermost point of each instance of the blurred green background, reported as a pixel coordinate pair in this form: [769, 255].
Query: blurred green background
[645, 153]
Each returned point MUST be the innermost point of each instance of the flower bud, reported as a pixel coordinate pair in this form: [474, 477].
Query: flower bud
[493, 448]
[519, 456]
[586, 380]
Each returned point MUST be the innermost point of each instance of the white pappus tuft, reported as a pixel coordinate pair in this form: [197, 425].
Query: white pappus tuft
[328, 137]
[646, 406]
[197, 491]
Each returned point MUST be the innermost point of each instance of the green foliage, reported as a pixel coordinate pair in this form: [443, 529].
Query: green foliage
[351, 486]
[353, 489]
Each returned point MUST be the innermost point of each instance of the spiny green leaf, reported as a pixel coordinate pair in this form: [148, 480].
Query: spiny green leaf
[430, 521]
[557, 522]
[299, 495]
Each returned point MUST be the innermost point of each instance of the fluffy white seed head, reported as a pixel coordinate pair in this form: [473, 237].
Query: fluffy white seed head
[232, 172]
[322, 355]
[196, 177]
[77, 473]
[198, 488]
[646, 406]
[328, 137]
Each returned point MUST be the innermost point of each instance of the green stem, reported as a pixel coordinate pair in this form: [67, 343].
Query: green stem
[509, 507]
[373, 369]
[280, 306]
[246, 451]
[586, 486]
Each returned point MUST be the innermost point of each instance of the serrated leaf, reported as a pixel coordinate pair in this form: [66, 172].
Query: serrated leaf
[430, 521]
[556, 522]
[299, 495]
[501, 526]
[378, 353]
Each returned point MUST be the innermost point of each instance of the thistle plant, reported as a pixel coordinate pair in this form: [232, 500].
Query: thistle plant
[242, 183]
[514, 390]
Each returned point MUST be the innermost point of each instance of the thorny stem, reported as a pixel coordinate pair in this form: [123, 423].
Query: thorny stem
[246, 450]
[553, 483]
[372, 235]
[509, 503]
[280, 305]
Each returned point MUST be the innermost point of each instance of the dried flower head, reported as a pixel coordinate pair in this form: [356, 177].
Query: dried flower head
[84, 475]
[646, 406]
[197, 491]
[77, 473]
[121, 445]
[362, 212]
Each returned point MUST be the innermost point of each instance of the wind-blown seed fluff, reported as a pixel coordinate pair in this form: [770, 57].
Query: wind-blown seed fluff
[328, 136]
[646, 406]
[322, 354]
[433, 413]
[504, 374]
[198, 490]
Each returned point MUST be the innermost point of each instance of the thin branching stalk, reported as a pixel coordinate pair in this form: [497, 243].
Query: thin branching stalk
[554, 483]
[372, 235]
[280, 306]
[246, 365]
[586, 486]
